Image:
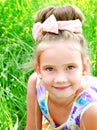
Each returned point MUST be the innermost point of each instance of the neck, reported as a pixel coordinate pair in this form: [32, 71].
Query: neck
[62, 102]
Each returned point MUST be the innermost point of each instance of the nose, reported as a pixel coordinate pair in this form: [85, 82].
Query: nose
[60, 77]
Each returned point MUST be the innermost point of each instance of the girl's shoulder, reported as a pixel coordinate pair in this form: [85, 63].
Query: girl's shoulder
[32, 105]
[89, 118]
[32, 83]
[33, 78]
[89, 101]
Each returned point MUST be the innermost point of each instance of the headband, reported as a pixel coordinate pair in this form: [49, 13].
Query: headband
[52, 25]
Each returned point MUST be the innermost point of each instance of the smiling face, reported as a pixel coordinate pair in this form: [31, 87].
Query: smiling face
[61, 69]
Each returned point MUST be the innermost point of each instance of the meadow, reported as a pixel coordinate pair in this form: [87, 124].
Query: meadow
[16, 48]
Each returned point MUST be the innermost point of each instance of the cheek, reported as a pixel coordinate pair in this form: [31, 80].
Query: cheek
[76, 79]
[47, 81]
[46, 77]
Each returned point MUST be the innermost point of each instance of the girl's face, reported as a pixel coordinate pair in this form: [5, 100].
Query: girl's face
[61, 69]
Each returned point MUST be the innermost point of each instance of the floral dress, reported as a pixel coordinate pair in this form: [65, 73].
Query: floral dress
[84, 100]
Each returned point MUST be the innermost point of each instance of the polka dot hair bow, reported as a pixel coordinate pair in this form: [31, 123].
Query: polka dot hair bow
[52, 25]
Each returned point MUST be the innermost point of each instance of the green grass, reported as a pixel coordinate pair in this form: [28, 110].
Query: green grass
[16, 47]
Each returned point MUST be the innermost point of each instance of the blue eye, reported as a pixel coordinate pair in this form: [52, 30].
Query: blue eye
[49, 69]
[70, 68]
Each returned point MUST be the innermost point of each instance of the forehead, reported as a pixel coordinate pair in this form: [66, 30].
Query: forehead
[59, 52]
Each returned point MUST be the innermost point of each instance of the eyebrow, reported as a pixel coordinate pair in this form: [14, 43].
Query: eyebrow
[48, 65]
[53, 65]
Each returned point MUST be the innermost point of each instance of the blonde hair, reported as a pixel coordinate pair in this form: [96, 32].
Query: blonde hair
[61, 13]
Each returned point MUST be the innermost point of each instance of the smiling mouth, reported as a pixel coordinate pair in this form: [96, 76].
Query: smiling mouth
[62, 88]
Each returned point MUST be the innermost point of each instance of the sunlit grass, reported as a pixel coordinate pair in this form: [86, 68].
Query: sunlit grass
[16, 47]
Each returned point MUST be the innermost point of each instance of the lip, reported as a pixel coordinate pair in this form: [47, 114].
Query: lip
[61, 87]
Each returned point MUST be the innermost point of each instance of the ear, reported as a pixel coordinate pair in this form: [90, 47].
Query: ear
[86, 66]
[37, 68]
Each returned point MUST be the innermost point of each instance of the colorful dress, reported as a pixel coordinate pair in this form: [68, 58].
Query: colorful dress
[84, 100]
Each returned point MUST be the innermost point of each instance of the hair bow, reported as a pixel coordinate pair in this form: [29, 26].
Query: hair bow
[52, 25]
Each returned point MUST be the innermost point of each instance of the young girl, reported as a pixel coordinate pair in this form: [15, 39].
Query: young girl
[61, 94]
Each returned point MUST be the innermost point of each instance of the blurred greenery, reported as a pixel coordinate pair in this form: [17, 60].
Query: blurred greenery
[16, 47]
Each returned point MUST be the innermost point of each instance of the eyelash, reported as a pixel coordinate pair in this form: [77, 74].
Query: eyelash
[49, 69]
[70, 67]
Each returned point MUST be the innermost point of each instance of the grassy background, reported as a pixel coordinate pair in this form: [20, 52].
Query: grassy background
[16, 47]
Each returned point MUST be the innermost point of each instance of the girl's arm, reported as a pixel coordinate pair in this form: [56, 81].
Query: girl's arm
[89, 119]
[34, 116]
